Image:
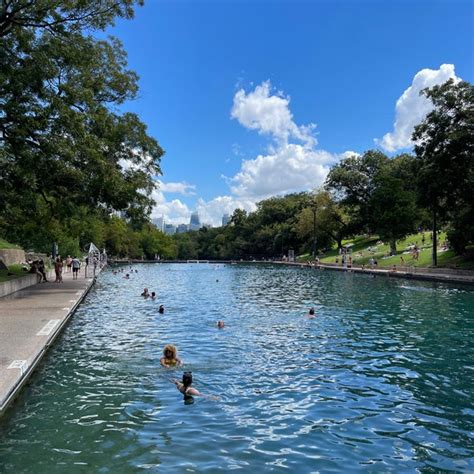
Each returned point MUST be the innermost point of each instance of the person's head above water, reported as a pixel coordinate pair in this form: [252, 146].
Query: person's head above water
[170, 351]
[161, 309]
[145, 291]
[187, 379]
[311, 311]
[220, 324]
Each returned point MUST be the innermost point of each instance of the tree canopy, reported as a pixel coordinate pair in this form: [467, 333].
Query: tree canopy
[65, 147]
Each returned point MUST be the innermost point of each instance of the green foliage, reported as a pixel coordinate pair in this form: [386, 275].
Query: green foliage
[444, 150]
[67, 157]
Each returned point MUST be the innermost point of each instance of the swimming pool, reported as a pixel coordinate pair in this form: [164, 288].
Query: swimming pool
[380, 380]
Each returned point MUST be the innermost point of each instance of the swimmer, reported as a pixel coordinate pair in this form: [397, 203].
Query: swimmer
[145, 293]
[127, 276]
[161, 309]
[153, 295]
[220, 324]
[170, 357]
[186, 388]
[311, 314]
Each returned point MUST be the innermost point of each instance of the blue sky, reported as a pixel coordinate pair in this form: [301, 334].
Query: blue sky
[230, 88]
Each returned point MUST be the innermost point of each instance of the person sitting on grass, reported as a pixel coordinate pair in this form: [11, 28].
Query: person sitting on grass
[170, 357]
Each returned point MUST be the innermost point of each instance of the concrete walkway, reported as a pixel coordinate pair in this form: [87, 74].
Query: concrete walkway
[30, 320]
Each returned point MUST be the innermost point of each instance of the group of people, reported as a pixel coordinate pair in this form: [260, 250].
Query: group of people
[171, 360]
[146, 294]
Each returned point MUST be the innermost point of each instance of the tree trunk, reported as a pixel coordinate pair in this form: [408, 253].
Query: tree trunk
[435, 240]
[393, 247]
[339, 243]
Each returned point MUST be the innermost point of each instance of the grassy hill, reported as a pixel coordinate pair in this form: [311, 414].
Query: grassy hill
[363, 248]
[6, 245]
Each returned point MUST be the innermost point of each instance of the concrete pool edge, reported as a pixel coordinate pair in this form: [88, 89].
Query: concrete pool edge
[415, 273]
[7, 399]
[412, 275]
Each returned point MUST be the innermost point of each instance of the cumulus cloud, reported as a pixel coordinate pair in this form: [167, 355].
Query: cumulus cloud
[179, 188]
[211, 212]
[290, 168]
[269, 115]
[292, 163]
[174, 211]
[411, 108]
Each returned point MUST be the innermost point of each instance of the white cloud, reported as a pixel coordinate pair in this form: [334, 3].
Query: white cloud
[179, 188]
[290, 168]
[211, 212]
[412, 108]
[174, 211]
[269, 115]
[286, 167]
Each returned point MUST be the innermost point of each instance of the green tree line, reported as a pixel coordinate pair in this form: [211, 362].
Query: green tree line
[76, 168]
[371, 193]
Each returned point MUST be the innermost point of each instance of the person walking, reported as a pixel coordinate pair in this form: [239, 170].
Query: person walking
[76, 265]
[58, 270]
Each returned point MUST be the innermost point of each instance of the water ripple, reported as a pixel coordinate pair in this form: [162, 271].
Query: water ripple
[380, 380]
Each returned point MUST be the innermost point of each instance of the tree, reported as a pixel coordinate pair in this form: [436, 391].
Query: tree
[393, 201]
[352, 184]
[63, 144]
[325, 216]
[444, 147]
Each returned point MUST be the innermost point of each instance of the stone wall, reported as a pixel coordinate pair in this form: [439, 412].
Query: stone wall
[11, 256]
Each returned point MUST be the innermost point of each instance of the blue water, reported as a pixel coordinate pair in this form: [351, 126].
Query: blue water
[380, 381]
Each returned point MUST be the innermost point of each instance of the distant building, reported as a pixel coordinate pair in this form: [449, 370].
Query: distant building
[170, 229]
[225, 219]
[159, 222]
[182, 228]
[195, 221]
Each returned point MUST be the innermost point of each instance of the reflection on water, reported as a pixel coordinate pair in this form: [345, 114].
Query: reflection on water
[380, 380]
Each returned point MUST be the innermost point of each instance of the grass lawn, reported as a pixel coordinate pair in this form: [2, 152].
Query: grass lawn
[16, 270]
[6, 245]
[361, 253]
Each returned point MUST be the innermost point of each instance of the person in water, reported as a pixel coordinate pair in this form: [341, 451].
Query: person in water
[153, 295]
[220, 324]
[170, 357]
[161, 309]
[145, 293]
[186, 388]
[311, 314]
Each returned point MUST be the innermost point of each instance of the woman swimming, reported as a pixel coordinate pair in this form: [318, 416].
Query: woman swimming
[186, 388]
[311, 314]
[170, 357]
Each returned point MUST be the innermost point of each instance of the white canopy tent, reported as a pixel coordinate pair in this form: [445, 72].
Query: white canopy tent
[95, 257]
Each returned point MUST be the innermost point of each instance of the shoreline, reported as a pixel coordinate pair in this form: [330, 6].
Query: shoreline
[25, 338]
[443, 275]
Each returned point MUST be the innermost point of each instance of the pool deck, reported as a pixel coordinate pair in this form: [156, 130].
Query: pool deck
[30, 320]
[410, 273]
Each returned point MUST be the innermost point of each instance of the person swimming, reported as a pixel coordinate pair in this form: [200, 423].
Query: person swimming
[188, 391]
[311, 314]
[220, 324]
[170, 357]
[161, 309]
[145, 293]
[153, 295]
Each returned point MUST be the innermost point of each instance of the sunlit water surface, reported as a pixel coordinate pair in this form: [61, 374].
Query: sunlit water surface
[380, 381]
